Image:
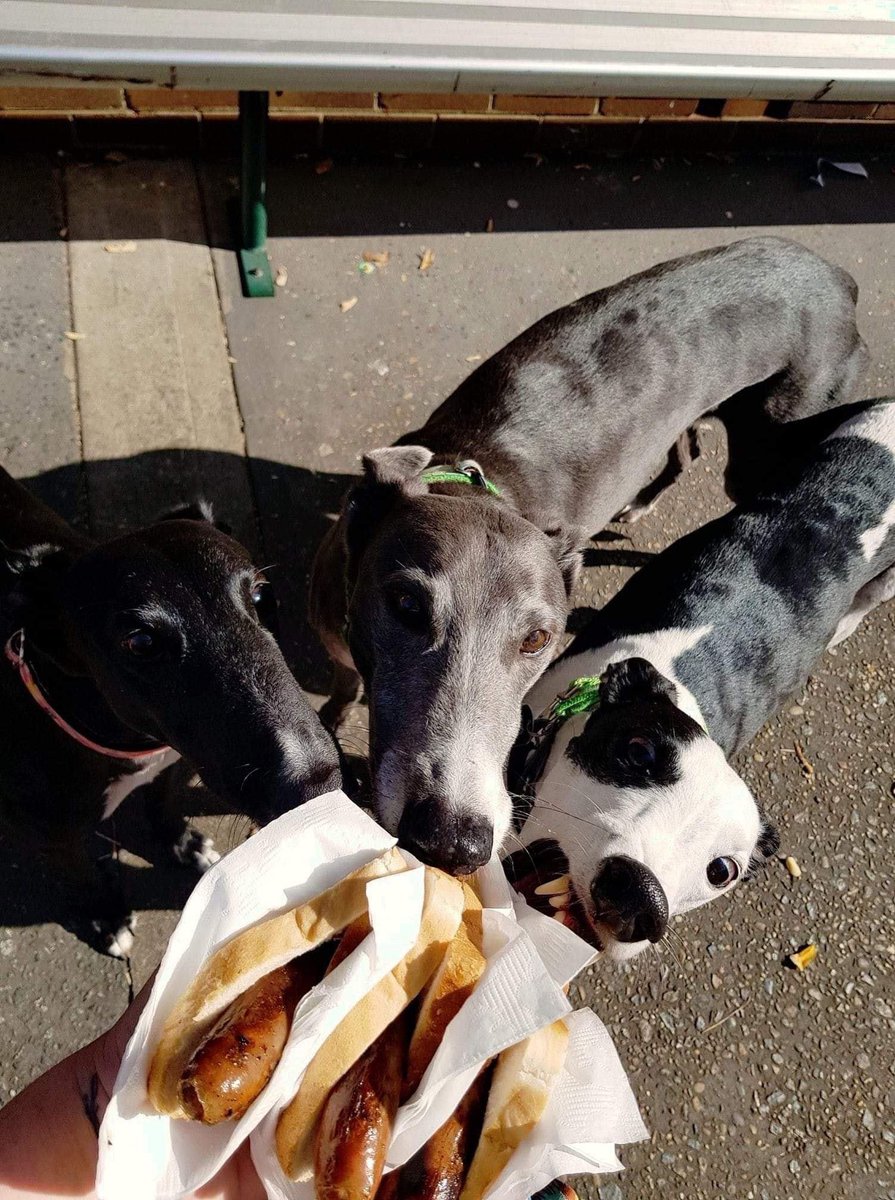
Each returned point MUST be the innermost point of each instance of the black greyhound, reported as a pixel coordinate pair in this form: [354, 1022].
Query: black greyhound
[122, 655]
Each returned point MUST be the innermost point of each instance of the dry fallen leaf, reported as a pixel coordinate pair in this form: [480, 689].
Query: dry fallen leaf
[803, 958]
[325, 164]
[120, 247]
[347, 305]
[793, 867]
[379, 258]
[281, 277]
[427, 258]
[72, 336]
[806, 765]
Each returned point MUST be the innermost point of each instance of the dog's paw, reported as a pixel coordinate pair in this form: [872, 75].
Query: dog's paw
[115, 939]
[196, 851]
[634, 512]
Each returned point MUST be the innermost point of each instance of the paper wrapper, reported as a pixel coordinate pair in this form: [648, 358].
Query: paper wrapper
[143, 1154]
[529, 959]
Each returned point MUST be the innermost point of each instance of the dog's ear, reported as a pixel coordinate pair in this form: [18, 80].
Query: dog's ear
[568, 544]
[390, 474]
[635, 681]
[198, 510]
[766, 847]
[30, 598]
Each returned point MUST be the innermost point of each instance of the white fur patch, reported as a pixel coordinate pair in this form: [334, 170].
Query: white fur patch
[872, 539]
[295, 756]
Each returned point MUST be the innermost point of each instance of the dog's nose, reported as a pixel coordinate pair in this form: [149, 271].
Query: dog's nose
[457, 842]
[630, 900]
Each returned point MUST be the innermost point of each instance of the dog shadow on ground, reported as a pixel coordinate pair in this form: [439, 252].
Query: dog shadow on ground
[280, 512]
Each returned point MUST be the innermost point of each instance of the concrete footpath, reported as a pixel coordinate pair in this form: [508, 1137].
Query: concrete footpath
[134, 375]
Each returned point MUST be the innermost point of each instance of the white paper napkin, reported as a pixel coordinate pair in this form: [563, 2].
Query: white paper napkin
[143, 1154]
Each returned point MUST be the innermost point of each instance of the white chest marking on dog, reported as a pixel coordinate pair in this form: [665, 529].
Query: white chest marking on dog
[119, 789]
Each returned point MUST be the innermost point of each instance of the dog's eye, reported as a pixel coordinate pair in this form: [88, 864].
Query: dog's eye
[536, 641]
[142, 643]
[259, 587]
[408, 607]
[722, 872]
[640, 751]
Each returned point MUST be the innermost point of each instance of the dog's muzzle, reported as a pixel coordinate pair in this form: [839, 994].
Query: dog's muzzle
[629, 900]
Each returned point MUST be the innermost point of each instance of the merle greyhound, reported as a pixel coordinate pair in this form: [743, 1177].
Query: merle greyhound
[444, 589]
[119, 656]
[685, 664]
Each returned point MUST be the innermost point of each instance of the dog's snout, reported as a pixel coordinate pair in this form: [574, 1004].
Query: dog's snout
[630, 900]
[457, 842]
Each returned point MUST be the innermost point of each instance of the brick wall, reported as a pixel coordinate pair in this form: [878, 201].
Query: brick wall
[96, 115]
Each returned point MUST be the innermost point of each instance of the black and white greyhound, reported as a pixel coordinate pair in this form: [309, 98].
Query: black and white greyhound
[444, 588]
[682, 668]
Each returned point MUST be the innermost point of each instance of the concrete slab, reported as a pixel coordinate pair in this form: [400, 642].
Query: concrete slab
[38, 412]
[153, 373]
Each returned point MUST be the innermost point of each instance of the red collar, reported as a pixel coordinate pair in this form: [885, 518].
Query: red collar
[15, 652]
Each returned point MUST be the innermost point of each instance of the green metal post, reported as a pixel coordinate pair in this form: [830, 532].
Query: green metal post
[251, 225]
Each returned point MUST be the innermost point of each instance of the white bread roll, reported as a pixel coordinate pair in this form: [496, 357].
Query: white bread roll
[520, 1089]
[239, 964]
[442, 909]
[447, 992]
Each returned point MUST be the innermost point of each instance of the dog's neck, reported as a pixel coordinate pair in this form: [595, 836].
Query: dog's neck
[77, 699]
[660, 648]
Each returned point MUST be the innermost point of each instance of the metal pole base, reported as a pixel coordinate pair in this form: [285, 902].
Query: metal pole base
[250, 213]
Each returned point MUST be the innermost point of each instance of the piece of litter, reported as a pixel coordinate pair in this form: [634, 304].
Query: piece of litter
[63, 232]
[120, 247]
[365, 268]
[806, 765]
[800, 959]
[325, 450]
[427, 258]
[347, 305]
[281, 277]
[325, 164]
[473, 358]
[512, 203]
[793, 867]
[848, 168]
[380, 367]
[489, 225]
[230, 359]
[72, 336]
[379, 258]
[729, 215]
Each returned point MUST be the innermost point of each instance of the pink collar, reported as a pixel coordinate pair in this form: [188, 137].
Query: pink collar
[15, 652]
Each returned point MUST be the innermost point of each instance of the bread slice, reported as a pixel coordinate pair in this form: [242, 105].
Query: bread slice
[520, 1089]
[442, 910]
[247, 957]
[447, 992]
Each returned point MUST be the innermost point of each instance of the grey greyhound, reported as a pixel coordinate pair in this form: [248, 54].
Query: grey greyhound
[444, 589]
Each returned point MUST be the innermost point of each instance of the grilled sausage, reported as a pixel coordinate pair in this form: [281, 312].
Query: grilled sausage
[356, 1124]
[236, 1060]
[438, 1170]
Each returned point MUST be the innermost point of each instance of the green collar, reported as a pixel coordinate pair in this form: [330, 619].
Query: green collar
[581, 696]
[465, 472]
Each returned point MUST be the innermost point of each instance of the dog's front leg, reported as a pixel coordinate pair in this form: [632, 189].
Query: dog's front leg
[166, 811]
[345, 690]
[97, 906]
